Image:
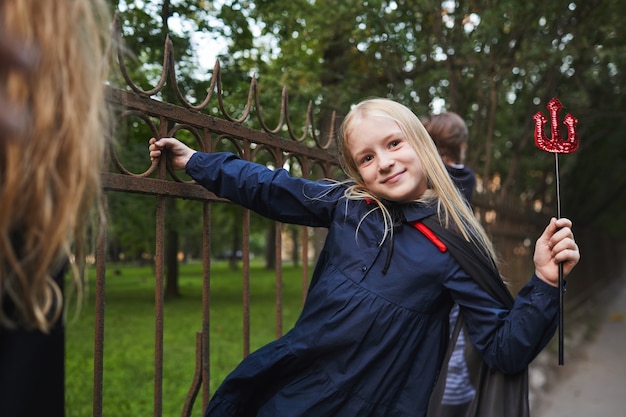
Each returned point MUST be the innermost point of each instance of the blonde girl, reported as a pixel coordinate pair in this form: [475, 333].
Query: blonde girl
[374, 330]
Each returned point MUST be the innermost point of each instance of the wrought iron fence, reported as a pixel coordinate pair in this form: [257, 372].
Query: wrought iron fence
[309, 152]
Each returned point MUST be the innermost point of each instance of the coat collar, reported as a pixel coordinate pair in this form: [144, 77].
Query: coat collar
[418, 211]
[412, 212]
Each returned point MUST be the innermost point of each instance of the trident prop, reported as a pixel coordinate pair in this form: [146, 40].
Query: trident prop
[557, 145]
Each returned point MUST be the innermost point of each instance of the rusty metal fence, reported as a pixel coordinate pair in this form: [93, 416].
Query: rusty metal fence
[309, 152]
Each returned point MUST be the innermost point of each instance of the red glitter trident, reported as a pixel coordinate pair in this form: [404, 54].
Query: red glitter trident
[557, 145]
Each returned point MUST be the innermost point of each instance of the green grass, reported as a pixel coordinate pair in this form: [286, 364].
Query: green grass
[130, 336]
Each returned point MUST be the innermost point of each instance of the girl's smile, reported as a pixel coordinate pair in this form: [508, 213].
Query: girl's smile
[394, 178]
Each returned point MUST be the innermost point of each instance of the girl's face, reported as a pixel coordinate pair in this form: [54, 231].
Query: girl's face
[386, 161]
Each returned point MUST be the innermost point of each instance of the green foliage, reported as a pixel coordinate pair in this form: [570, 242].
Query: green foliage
[495, 63]
[131, 226]
[130, 335]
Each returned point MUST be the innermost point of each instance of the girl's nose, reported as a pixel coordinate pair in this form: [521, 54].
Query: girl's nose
[385, 162]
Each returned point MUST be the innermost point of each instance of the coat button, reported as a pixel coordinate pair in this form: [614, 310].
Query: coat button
[363, 268]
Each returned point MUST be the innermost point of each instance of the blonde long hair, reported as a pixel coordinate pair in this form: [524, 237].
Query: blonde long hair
[50, 176]
[441, 190]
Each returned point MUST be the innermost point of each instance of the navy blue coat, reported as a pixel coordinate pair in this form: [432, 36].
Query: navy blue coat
[374, 328]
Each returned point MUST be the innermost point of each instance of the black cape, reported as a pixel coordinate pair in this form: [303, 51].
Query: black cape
[497, 394]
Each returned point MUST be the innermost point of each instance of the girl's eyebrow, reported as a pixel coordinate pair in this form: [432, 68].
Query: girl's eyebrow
[395, 135]
[358, 155]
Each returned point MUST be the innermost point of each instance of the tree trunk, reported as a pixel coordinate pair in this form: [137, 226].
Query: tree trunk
[270, 248]
[295, 254]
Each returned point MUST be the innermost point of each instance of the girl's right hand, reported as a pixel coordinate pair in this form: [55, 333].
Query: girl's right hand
[177, 153]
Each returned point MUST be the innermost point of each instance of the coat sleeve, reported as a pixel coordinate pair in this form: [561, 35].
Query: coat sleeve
[508, 339]
[271, 193]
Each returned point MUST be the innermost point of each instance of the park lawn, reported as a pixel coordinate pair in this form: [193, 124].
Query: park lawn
[130, 337]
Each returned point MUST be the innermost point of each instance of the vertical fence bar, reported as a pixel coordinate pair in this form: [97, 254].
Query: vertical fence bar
[306, 173]
[98, 360]
[279, 280]
[206, 304]
[158, 306]
[245, 221]
[197, 379]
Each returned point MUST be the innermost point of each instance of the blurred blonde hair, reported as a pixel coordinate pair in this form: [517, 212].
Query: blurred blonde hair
[451, 206]
[50, 178]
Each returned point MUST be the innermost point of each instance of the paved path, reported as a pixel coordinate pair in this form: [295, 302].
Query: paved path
[594, 383]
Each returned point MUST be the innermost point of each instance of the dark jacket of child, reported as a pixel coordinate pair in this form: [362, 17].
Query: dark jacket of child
[374, 328]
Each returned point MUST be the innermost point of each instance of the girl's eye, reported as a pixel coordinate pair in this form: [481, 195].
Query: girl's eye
[394, 143]
[366, 159]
